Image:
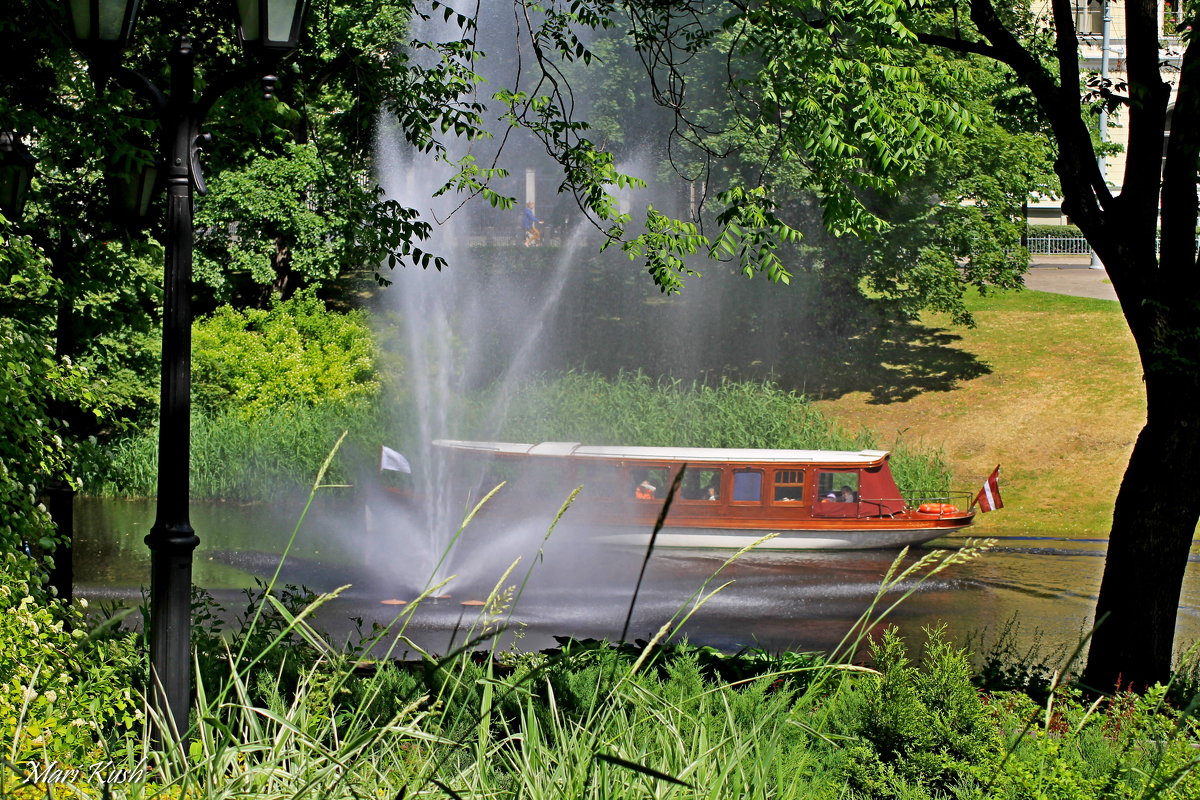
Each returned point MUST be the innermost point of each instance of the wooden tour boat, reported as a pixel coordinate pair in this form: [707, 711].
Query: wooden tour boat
[727, 498]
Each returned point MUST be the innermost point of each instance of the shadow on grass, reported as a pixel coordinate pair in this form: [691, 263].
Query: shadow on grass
[895, 365]
[824, 349]
[817, 336]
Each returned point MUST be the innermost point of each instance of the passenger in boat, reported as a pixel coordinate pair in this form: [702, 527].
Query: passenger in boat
[831, 498]
[848, 495]
[711, 492]
[645, 491]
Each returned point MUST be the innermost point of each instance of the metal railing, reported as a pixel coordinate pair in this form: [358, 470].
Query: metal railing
[1057, 246]
[1071, 246]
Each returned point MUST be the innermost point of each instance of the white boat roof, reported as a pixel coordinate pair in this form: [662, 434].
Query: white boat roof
[689, 454]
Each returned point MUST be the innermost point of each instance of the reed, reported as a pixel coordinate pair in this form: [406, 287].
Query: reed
[250, 457]
[635, 409]
[239, 457]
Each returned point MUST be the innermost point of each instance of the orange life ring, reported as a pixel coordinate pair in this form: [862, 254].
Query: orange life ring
[937, 508]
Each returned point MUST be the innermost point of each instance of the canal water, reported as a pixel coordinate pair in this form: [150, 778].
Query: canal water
[1039, 591]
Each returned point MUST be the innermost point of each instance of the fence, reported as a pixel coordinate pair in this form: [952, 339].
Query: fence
[1057, 246]
[1070, 246]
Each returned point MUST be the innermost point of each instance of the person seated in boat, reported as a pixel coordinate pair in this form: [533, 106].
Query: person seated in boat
[830, 498]
[848, 495]
[645, 491]
[711, 492]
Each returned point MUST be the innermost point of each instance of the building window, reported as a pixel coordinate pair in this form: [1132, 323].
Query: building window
[1089, 16]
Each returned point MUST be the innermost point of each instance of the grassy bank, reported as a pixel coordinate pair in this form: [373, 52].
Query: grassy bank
[1055, 398]
[249, 458]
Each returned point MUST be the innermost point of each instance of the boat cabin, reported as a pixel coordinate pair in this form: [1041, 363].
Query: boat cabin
[726, 482]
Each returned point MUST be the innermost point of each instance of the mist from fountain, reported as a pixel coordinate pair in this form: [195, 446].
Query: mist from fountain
[445, 315]
[489, 320]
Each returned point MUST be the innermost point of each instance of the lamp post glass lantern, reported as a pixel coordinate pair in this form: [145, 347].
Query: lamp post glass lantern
[272, 25]
[131, 192]
[16, 174]
[103, 23]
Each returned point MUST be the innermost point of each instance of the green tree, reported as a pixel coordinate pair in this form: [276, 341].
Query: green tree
[836, 89]
[32, 449]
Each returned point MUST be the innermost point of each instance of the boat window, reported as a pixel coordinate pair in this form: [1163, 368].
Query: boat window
[701, 484]
[598, 480]
[747, 485]
[789, 485]
[841, 486]
[543, 477]
[650, 483]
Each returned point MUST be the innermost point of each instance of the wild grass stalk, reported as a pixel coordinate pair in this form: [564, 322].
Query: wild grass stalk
[598, 721]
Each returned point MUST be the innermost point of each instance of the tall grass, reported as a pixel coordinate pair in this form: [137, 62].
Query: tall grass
[596, 721]
[588, 721]
[634, 409]
[241, 457]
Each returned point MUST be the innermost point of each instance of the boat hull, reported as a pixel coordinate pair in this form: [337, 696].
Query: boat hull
[823, 539]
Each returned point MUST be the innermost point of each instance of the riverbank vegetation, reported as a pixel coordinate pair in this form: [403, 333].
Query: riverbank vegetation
[931, 167]
[280, 711]
[251, 451]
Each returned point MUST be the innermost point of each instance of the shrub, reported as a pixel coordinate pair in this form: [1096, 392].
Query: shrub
[920, 728]
[1069, 231]
[297, 353]
[61, 690]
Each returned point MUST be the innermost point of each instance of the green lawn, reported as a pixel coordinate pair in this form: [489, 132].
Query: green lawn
[1056, 400]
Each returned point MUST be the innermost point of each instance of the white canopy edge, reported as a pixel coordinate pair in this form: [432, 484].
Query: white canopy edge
[689, 454]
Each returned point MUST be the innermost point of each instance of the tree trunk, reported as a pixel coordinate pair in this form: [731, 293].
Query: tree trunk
[1154, 521]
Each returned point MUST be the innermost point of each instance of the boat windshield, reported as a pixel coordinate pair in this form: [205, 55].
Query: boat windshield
[870, 492]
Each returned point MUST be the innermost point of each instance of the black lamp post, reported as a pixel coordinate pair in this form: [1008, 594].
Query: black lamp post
[269, 29]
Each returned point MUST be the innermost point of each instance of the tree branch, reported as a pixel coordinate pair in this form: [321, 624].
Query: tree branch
[1179, 201]
[1084, 190]
[959, 45]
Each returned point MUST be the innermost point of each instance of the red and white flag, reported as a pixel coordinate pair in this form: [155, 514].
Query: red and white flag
[988, 498]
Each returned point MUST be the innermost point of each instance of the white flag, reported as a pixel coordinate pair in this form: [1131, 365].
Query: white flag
[391, 460]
